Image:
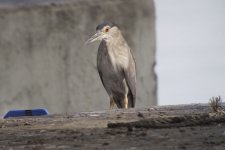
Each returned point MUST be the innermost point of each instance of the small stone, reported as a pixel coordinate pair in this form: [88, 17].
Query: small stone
[105, 144]
[140, 115]
[129, 129]
[42, 131]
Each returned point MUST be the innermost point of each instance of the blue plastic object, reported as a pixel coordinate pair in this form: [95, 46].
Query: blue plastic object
[21, 113]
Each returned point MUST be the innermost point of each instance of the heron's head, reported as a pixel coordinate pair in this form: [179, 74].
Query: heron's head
[104, 31]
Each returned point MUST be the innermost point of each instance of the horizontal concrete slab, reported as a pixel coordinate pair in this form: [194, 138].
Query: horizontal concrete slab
[45, 63]
[88, 130]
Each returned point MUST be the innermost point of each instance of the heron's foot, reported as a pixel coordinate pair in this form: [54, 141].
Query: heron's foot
[112, 103]
[126, 102]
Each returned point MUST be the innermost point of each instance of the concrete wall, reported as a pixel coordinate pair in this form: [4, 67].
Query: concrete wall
[44, 62]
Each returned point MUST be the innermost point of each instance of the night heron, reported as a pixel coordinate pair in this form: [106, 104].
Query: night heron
[116, 65]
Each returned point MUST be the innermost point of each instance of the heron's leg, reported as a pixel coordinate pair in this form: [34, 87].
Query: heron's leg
[112, 103]
[126, 102]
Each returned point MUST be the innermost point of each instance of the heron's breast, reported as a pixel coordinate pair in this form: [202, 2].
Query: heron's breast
[119, 59]
[112, 55]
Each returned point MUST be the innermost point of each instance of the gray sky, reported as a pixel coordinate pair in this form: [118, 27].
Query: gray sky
[190, 50]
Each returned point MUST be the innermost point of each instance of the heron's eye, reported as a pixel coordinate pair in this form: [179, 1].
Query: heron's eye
[107, 29]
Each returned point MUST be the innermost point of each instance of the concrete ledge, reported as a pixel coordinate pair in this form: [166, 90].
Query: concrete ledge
[44, 62]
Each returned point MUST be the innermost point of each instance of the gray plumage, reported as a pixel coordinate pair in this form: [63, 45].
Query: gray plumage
[116, 65]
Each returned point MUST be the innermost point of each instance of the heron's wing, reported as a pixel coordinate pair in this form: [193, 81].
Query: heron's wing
[130, 76]
[116, 97]
[102, 51]
[100, 75]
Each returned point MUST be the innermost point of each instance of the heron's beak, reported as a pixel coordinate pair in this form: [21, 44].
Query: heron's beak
[95, 37]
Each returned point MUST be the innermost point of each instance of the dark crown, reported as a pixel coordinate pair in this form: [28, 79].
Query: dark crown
[105, 23]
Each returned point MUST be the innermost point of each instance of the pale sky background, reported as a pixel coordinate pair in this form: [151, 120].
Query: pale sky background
[190, 50]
